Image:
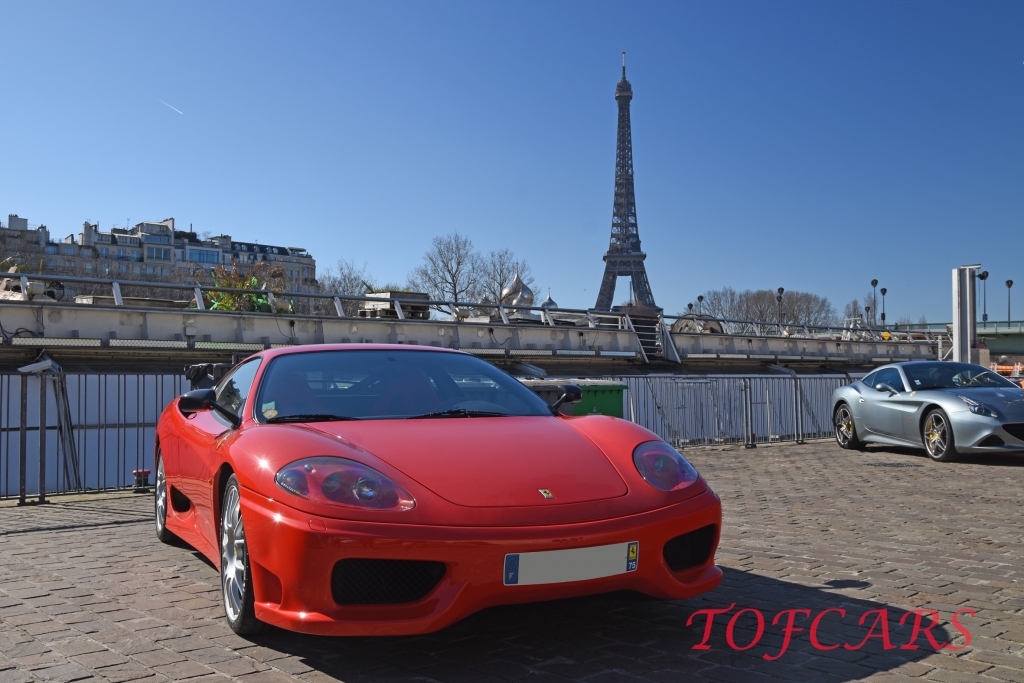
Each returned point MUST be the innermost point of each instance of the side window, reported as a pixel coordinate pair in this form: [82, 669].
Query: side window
[890, 376]
[234, 388]
[871, 380]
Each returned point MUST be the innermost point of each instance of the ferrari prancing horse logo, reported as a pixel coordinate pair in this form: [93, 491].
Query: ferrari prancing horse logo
[546, 493]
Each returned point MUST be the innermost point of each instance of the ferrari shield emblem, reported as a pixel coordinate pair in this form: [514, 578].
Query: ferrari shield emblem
[546, 493]
[632, 550]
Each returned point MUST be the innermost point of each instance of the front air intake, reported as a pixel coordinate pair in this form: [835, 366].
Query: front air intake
[689, 550]
[383, 582]
[1015, 429]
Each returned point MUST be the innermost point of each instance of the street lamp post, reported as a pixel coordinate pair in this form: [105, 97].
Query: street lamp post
[874, 299]
[883, 290]
[700, 304]
[983, 276]
[1009, 283]
[867, 315]
[778, 300]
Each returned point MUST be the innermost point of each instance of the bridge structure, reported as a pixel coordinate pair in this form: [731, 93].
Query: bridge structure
[118, 332]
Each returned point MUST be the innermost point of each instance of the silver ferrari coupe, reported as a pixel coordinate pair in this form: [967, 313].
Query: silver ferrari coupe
[947, 408]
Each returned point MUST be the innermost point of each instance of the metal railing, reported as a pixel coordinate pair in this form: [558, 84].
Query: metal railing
[97, 429]
[706, 324]
[991, 326]
[722, 410]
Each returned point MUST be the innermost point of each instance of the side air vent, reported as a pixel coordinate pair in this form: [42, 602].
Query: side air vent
[689, 550]
[1015, 429]
[383, 582]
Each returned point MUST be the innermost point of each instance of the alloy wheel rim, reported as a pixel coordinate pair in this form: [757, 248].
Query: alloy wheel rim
[161, 496]
[935, 435]
[232, 555]
[844, 426]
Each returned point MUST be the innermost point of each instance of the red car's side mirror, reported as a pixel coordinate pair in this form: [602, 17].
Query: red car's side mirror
[571, 393]
[205, 399]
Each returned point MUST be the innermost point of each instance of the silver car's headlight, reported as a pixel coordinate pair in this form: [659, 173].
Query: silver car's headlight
[978, 408]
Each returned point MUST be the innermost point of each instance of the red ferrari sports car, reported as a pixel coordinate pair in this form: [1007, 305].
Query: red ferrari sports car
[369, 489]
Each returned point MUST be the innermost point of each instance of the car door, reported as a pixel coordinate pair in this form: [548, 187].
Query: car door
[201, 438]
[884, 411]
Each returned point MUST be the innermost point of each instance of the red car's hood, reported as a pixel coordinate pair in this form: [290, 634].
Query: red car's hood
[490, 462]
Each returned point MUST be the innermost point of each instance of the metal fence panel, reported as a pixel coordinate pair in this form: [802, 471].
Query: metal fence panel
[98, 428]
[718, 410]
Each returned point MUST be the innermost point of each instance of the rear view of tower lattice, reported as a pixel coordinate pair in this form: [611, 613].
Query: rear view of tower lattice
[624, 257]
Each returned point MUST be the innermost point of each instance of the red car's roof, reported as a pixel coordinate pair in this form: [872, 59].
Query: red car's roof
[308, 348]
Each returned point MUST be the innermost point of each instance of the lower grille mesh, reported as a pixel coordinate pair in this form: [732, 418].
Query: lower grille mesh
[383, 582]
[689, 550]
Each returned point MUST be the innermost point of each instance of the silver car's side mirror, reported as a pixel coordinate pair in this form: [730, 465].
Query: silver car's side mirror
[886, 387]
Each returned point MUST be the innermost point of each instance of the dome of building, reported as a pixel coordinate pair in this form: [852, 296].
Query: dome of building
[511, 290]
[549, 302]
[517, 293]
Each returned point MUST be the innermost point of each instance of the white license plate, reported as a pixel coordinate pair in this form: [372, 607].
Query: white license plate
[575, 564]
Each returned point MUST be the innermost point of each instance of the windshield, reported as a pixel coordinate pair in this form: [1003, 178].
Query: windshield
[952, 376]
[386, 384]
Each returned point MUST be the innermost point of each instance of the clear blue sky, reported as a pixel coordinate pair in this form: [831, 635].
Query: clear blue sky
[810, 145]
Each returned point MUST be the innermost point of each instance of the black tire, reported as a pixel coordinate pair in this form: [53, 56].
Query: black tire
[937, 436]
[161, 499]
[844, 429]
[235, 573]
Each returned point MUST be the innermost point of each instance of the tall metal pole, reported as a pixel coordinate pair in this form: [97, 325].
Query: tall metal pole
[1009, 283]
[983, 276]
[874, 301]
[883, 290]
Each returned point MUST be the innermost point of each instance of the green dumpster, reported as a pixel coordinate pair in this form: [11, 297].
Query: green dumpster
[600, 399]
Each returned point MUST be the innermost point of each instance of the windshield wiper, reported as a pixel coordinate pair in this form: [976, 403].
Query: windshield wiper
[458, 412]
[311, 417]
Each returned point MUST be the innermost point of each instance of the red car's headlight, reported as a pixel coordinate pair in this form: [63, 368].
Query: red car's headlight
[342, 482]
[662, 466]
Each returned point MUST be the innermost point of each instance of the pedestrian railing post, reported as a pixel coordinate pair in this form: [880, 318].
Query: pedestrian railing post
[42, 438]
[23, 435]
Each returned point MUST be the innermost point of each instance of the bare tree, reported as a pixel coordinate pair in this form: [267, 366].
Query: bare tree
[804, 308]
[451, 270]
[346, 278]
[798, 308]
[497, 271]
[853, 310]
[721, 303]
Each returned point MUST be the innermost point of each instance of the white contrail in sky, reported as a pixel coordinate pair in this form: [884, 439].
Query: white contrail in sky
[177, 110]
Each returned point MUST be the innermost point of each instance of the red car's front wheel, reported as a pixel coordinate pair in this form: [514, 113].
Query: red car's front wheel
[160, 500]
[235, 574]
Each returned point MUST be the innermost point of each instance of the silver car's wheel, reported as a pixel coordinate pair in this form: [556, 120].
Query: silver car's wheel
[938, 437]
[846, 433]
[234, 565]
[160, 498]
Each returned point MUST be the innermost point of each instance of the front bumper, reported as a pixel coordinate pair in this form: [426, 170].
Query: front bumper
[974, 433]
[293, 554]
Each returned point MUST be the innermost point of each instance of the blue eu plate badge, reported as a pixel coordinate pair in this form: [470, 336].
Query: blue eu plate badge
[571, 564]
[632, 556]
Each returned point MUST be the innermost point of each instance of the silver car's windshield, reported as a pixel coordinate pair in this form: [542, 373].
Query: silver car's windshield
[952, 376]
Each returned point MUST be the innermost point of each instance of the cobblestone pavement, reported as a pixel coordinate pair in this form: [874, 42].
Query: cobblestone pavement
[86, 591]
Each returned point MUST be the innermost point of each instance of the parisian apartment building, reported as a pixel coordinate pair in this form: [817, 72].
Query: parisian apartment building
[148, 251]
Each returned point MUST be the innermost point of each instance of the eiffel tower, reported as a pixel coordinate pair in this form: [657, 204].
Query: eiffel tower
[624, 258]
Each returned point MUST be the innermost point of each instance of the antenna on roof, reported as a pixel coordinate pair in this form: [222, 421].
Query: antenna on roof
[623, 66]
